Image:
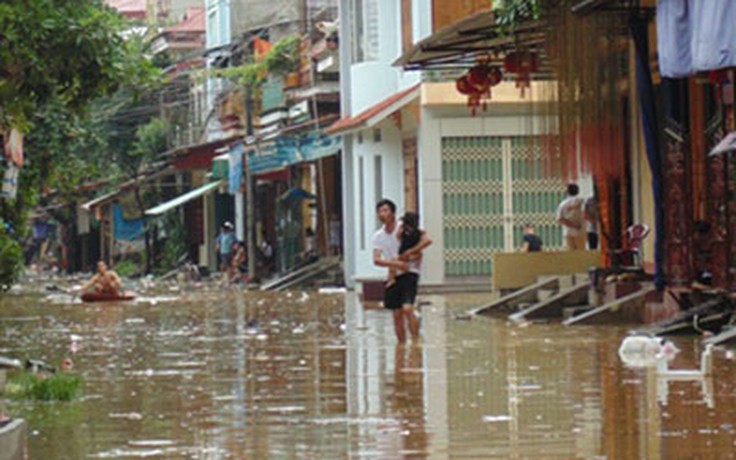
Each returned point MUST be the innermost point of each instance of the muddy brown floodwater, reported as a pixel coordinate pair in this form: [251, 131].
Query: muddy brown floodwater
[302, 375]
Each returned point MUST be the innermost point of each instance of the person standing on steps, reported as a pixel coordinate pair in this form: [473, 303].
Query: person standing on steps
[401, 295]
[532, 241]
[570, 216]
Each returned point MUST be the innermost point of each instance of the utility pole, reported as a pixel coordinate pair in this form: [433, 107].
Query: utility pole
[250, 214]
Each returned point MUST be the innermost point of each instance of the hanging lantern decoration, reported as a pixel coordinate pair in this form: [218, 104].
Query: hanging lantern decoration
[477, 83]
[464, 87]
[522, 63]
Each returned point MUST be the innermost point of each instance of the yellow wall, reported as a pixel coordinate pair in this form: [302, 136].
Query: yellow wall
[505, 93]
[643, 197]
[513, 270]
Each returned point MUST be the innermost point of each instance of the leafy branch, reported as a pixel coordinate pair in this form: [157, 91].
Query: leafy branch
[510, 13]
[280, 60]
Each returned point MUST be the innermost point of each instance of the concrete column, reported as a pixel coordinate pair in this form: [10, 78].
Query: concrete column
[429, 156]
[240, 216]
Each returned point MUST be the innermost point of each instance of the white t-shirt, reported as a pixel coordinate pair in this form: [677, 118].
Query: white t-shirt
[571, 209]
[389, 243]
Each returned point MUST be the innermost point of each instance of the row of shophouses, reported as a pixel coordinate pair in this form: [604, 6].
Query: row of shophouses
[375, 109]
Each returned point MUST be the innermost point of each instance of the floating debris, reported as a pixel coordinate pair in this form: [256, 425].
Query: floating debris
[134, 416]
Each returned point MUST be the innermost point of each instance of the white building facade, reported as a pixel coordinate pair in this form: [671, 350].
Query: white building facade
[375, 94]
[475, 180]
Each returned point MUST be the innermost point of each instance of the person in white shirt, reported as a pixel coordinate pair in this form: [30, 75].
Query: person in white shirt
[570, 216]
[400, 296]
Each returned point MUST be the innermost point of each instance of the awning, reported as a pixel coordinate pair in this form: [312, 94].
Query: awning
[182, 199]
[124, 188]
[220, 166]
[375, 114]
[199, 156]
[459, 45]
[101, 199]
[288, 151]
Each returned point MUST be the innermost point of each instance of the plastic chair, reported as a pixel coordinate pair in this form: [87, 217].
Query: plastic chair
[631, 254]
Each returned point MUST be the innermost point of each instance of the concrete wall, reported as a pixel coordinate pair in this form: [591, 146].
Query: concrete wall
[13, 441]
[433, 128]
[515, 270]
[363, 85]
[370, 185]
[247, 15]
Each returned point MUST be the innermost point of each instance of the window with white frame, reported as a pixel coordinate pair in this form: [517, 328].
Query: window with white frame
[365, 30]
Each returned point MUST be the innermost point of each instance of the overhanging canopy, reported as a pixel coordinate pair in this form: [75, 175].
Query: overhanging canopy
[376, 113]
[182, 199]
[123, 189]
[459, 45]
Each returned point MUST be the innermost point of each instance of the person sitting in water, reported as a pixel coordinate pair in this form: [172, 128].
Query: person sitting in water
[104, 282]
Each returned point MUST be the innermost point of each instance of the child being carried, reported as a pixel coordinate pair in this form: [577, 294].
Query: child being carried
[409, 235]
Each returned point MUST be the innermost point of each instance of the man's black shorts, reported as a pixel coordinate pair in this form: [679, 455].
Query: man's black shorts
[403, 292]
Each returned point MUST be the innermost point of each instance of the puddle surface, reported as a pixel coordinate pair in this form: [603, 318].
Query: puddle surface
[236, 376]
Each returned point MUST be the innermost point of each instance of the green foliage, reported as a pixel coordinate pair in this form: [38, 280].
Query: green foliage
[127, 268]
[56, 387]
[64, 151]
[57, 57]
[175, 246]
[510, 13]
[282, 59]
[11, 262]
[250, 75]
[66, 49]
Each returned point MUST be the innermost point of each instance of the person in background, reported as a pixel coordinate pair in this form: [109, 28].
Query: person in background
[532, 241]
[310, 245]
[240, 262]
[267, 259]
[225, 245]
[592, 219]
[570, 216]
[335, 235]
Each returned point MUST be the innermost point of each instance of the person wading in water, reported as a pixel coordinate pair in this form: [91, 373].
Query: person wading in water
[400, 295]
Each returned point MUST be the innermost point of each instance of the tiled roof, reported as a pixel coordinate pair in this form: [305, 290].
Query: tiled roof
[381, 110]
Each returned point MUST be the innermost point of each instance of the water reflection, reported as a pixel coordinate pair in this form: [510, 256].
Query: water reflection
[234, 376]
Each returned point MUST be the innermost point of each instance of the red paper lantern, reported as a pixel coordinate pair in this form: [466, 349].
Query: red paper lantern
[522, 63]
[477, 83]
[463, 86]
[478, 76]
[495, 76]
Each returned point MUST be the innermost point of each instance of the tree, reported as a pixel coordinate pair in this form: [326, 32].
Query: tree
[71, 50]
[56, 58]
[135, 154]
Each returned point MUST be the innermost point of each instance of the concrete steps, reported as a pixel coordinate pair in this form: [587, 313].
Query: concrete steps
[544, 299]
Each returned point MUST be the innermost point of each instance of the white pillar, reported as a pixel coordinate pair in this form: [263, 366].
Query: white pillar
[240, 216]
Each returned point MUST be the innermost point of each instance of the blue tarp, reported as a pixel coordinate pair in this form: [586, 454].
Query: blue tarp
[235, 168]
[695, 36]
[126, 229]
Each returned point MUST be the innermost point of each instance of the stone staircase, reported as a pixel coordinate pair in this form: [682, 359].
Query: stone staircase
[551, 297]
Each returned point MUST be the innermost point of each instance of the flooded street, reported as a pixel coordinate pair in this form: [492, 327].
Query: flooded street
[251, 375]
